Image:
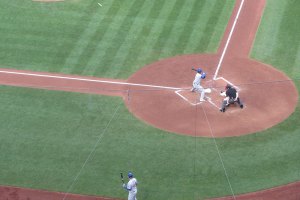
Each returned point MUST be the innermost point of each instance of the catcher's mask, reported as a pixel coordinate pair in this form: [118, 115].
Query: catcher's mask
[228, 86]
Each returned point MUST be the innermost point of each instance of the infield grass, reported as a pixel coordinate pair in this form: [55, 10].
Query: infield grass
[48, 138]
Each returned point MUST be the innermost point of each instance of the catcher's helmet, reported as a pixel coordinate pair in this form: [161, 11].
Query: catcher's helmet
[228, 86]
[130, 175]
[203, 75]
[199, 70]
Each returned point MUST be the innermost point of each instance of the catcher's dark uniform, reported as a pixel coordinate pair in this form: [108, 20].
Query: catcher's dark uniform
[231, 98]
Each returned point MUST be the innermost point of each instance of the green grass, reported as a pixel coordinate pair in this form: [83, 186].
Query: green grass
[50, 137]
[115, 40]
[62, 135]
[57, 131]
[279, 44]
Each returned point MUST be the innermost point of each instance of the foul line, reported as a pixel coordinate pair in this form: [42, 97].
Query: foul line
[91, 153]
[89, 80]
[227, 42]
[219, 153]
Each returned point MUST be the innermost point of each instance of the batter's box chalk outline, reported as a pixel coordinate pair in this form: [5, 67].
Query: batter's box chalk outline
[221, 78]
[208, 99]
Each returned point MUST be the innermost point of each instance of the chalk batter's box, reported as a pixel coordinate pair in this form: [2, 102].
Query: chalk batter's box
[214, 98]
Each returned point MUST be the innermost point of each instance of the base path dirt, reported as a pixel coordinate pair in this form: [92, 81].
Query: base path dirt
[16, 193]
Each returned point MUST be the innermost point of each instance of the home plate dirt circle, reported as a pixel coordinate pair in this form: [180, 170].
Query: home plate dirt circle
[269, 96]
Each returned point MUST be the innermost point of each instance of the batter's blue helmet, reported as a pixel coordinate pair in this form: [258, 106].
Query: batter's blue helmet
[203, 75]
[130, 175]
[199, 70]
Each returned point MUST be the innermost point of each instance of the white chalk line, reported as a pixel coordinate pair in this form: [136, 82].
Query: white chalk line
[215, 78]
[177, 90]
[236, 87]
[228, 40]
[209, 100]
[90, 156]
[89, 80]
[219, 153]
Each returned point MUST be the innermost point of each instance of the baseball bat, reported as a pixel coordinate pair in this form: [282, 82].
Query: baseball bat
[122, 178]
[194, 69]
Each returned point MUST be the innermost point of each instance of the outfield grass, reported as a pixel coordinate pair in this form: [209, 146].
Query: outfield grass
[115, 40]
[47, 136]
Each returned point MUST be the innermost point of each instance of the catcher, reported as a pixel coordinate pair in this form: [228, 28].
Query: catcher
[231, 97]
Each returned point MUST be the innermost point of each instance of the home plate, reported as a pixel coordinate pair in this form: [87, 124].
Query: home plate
[193, 98]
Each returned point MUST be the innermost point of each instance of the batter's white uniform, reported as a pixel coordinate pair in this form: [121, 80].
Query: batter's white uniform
[197, 86]
[132, 189]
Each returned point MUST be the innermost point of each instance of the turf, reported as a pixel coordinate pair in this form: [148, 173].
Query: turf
[80, 143]
[115, 40]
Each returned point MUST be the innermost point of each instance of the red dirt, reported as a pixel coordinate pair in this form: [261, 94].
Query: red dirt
[166, 110]
[287, 192]
[269, 96]
[16, 193]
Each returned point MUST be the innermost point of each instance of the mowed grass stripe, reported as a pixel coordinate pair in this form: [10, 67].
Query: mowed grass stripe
[198, 30]
[167, 27]
[95, 61]
[189, 26]
[119, 39]
[96, 40]
[147, 54]
[210, 26]
[220, 25]
[131, 60]
[95, 16]
[266, 36]
[129, 42]
[177, 28]
[42, 36]
[296, 69]
[291, 42]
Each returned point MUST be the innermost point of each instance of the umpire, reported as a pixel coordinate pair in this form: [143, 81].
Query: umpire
[232, 96]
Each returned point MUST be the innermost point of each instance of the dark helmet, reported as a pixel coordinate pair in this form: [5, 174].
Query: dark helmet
[130, 174]
[228, 86]
[199, 70]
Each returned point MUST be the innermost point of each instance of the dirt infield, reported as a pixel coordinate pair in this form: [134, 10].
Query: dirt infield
[16, 193]
[153, 96]
[168, 111]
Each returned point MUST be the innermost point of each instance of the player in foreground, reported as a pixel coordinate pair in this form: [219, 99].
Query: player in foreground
[131, 187]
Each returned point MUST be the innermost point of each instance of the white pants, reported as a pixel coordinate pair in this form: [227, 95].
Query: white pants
[132, 195]
[200, 89]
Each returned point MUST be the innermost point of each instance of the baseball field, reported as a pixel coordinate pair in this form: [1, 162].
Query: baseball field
[87, 91]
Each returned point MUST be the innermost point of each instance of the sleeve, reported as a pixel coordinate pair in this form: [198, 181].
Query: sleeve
[129, 186]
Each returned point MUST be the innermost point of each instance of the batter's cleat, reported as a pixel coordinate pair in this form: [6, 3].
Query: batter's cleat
[242, 106]
[202, 100]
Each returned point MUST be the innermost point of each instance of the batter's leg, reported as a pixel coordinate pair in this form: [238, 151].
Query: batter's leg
[202, 91]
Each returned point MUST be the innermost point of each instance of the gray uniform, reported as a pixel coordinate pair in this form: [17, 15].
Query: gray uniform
[197, 86]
